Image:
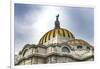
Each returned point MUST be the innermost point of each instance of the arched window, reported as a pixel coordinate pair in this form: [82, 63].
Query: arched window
[24, 51]
[65, 49]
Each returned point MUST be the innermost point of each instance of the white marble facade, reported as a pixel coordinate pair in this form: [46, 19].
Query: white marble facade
[54, 53]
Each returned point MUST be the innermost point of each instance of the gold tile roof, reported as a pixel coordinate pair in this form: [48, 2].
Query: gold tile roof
[54, 33]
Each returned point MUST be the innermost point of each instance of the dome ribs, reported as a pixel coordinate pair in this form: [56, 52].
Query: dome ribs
[63, 32]
[54, 33]
[45, 37]
[59, 32]
[49, 35]
[68, 34]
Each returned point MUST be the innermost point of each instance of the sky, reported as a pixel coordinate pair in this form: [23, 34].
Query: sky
[32, 21]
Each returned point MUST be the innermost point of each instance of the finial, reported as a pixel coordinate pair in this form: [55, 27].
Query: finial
[57, 23]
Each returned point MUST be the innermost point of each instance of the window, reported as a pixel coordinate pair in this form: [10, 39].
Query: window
[88, 48]
[65, 49]
[79, 47]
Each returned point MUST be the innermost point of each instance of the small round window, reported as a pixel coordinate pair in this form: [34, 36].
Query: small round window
[65, 49]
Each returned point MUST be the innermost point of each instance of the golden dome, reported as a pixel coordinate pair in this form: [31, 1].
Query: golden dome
[56, 35]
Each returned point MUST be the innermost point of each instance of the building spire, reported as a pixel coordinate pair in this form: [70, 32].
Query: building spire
[57, 23]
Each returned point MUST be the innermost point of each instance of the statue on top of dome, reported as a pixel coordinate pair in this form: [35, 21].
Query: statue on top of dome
[57, 17]
[57, 23]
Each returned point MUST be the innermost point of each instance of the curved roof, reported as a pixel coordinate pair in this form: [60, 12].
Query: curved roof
[76, 42]
[57, 32]
[56, 35]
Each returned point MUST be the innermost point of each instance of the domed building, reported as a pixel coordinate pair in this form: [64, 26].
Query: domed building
[56, 35]
[58, 45]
